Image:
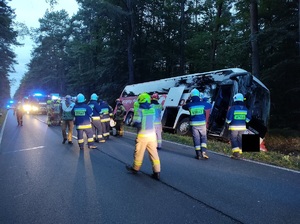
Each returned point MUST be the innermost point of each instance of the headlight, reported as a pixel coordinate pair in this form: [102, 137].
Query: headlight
[34, 108]
[27, 107]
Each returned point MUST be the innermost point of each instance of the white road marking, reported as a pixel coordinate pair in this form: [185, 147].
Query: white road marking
[28, 149]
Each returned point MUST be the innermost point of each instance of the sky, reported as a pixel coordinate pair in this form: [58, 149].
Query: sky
[29, 12]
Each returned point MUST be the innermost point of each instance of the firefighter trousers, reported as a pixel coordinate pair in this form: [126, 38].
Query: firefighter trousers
[67, 125]
[89, 134]
[148, 144]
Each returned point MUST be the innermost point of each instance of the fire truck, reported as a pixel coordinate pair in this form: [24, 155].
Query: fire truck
[35, 104]
[218, 88]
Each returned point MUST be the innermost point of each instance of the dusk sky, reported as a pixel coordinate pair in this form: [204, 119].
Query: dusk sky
[29, 12]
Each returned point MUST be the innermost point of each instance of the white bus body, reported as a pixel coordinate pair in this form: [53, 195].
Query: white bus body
[218, 88]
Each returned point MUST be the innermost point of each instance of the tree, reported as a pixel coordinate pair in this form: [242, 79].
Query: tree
[7, 57]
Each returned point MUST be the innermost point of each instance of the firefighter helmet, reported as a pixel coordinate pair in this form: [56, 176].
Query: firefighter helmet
[155, 96]
[94, 96]
[143, 98]
[80, 98]
[238, 97]
[195, 92]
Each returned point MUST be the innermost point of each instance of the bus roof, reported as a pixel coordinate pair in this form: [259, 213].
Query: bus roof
[189, 81]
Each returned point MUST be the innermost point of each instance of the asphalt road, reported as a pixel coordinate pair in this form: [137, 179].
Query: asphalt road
[44, 181]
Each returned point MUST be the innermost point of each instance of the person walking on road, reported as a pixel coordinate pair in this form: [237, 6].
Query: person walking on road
[83, 113]
[197, 109]
[19, 112]
[237, 117]
[157, 122]
[146, 138]
[119, 117]
[67, 119]
[96, 121]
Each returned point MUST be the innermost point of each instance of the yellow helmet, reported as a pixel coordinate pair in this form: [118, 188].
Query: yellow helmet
[143, 98]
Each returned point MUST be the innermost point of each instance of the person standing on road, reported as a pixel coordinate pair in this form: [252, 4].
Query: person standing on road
[67, 119]
[49, 112]
[105, 114]
[119, 117]
[146, 138]
[237, 117]
[96, 122]
[197, 109]
[19, 112]
[157, 122]
[83, 113]
[134, 122]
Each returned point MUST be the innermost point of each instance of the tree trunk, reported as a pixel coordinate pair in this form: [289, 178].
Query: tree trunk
[215, 33]
[182, 37]
[254, 41]
[129, 43]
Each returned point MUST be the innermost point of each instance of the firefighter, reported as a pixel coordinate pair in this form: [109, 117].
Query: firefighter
[67, 118]
[56, 112]
[83, 113]
[96, 122]
[237, 117]
[146, 138]
[197, 109]
[157, 123]
[105, 115]
[134, 123]
[19, 112]
[119, 117]
[49, 111]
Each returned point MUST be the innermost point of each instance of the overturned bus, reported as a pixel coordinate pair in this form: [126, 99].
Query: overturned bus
[218, 88]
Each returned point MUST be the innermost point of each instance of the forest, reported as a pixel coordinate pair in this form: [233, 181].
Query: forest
[108, 44]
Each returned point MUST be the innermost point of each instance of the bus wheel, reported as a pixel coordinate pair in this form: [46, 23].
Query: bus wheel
[129, 118]
[183, 127]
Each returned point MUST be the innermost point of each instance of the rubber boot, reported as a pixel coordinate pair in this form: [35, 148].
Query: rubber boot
[155, 175]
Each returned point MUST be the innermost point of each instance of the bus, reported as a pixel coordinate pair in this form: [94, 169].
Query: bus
[218, 87]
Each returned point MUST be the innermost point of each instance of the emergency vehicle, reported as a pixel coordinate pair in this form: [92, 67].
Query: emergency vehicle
[35, 104]
[218, 88]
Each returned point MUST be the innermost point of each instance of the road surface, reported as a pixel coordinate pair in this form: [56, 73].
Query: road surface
[44, 181]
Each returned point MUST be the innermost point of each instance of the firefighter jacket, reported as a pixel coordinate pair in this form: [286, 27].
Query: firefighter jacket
[146, 117]
[237, 117]
[158, 109]
[18, 110]
[65, 111]
[105, 111]
[82, 113]
[56, 106]
[96, 109]
[197, 111]
[136, 106]
[120, 113]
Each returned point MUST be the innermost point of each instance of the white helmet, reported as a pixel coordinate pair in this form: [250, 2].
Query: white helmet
[238, 97]
[80, 98]
[195, 92]
[94, 96]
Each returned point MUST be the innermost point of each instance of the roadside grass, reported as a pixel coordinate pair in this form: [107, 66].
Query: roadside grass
[283, 148]
[2, 118]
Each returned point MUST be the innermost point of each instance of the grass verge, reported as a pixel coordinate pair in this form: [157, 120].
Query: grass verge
[2, 117]
[283, 151]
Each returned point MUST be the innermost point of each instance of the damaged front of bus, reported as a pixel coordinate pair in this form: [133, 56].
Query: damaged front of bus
[256, 98]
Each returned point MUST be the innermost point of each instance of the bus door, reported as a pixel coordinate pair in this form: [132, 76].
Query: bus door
[218, 114]
[170, 106]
